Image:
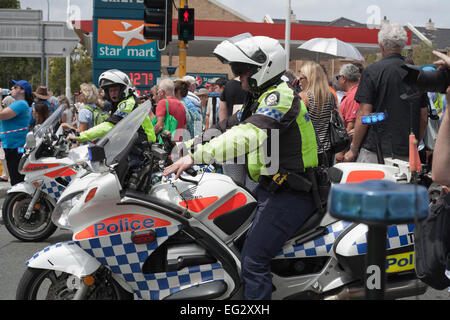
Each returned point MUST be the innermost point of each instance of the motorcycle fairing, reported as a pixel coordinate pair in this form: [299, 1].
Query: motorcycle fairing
[125, 258]
[355, 242]
[52, 188]
[66, 257]
[320, 246]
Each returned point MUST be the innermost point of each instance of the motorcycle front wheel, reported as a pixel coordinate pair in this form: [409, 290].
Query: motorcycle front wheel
[41, 284]
[37, 227]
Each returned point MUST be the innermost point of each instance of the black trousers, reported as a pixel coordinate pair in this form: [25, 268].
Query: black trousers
[12, 162]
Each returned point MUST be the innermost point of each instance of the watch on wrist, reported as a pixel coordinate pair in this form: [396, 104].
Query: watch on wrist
[353, 148]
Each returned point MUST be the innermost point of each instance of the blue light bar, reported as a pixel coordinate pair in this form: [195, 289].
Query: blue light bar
[373, 118]
[378, 201]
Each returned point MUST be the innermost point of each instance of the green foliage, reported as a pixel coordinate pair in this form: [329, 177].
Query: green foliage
[423, 54]
[10, 4]
[80, 71]
[20, 69]
[372, 58]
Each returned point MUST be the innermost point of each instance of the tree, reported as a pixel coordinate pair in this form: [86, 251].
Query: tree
[10, 4]
[80, 71]
[18, 68]
[422, 54]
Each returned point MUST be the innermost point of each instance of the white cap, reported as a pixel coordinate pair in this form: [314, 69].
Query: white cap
[190, 79]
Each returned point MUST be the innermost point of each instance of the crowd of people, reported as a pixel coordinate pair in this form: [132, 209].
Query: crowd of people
[244, 109]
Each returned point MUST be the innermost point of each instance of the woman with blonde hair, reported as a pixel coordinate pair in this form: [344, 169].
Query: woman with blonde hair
[89, 95]
[320, 102]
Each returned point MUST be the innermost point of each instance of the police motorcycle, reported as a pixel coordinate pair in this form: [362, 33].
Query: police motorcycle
[141, 235]
[48, 166]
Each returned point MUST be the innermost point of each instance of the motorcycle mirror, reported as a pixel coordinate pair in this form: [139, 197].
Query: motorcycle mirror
[30, 141]
[96, 153]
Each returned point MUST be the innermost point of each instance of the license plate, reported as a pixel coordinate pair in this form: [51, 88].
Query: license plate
[400, 262]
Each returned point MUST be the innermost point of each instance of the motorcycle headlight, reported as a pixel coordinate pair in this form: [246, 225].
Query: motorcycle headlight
[61, 212]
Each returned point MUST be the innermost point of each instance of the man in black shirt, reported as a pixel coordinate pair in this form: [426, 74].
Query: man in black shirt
[232, 95]
[379, 90]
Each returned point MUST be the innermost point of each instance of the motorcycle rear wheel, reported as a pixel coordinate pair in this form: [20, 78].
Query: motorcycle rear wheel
[38, 227]
[41, 284]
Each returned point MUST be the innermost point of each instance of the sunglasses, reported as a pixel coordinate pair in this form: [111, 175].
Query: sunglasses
[339, 76]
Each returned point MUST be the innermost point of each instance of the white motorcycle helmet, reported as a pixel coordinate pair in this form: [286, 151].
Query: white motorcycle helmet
[263, 56]
[114, 77]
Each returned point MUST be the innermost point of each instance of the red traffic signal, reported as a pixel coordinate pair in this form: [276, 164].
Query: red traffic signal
[186, 24]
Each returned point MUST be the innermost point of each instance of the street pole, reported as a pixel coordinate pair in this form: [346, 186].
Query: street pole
[182, 52]
[68, 89]
[47, 58]
[287, 41]
[43, 53]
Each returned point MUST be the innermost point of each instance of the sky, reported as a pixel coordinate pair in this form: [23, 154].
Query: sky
[417, 12]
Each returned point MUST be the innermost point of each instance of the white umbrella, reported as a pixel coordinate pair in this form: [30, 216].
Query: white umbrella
[333, 47]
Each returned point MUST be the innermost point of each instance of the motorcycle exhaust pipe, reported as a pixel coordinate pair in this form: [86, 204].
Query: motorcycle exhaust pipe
[394, 290]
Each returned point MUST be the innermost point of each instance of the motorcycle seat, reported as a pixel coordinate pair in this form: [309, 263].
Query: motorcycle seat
[311, 223]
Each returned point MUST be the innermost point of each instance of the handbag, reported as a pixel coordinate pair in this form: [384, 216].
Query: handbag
[170, 123]
[432, 244]
[339, 138]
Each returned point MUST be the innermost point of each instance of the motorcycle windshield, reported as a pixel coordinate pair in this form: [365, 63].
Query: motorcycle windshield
[120, 137]
[48, 125]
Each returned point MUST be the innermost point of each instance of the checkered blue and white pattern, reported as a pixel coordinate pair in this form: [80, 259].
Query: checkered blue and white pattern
[47, 249]
[53, 189]
[397, 236]
[160, 285]
[124, 257]
[272, 113]
[317, 247]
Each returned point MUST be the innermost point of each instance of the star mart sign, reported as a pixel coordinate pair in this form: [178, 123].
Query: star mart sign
[118, 43]
[123, 39]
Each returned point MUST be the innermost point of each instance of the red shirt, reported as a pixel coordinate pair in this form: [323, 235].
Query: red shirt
[349, 107]
[177, 110]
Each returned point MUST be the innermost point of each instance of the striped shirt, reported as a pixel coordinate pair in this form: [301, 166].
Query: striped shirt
[321, 121]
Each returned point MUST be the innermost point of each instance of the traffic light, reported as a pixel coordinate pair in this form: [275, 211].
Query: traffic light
[158, 13]
[186, 24]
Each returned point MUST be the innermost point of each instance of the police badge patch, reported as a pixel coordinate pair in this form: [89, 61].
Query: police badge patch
[122, 106]
[272, 99]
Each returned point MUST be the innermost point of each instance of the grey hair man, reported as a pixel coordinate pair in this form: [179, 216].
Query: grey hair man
[392, 38]
[348, 80]
[192, 86]
[349, 73]
[379, 90]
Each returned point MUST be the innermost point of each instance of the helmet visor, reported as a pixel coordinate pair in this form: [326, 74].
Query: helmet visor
[248, 46]
[239, 68]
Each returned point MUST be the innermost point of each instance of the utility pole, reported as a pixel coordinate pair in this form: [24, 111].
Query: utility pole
[287, 40]
[47, 58]
[182, 52]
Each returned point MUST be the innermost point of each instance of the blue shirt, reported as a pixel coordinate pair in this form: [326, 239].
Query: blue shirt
[21, 120]
[86, 116]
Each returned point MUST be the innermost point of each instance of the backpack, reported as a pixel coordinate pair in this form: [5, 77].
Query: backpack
[432, 244]
[99, 115]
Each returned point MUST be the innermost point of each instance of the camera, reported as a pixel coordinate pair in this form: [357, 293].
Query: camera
[420, 81]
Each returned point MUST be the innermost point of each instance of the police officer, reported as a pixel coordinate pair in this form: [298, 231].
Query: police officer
[120, 92]
[272, 105]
